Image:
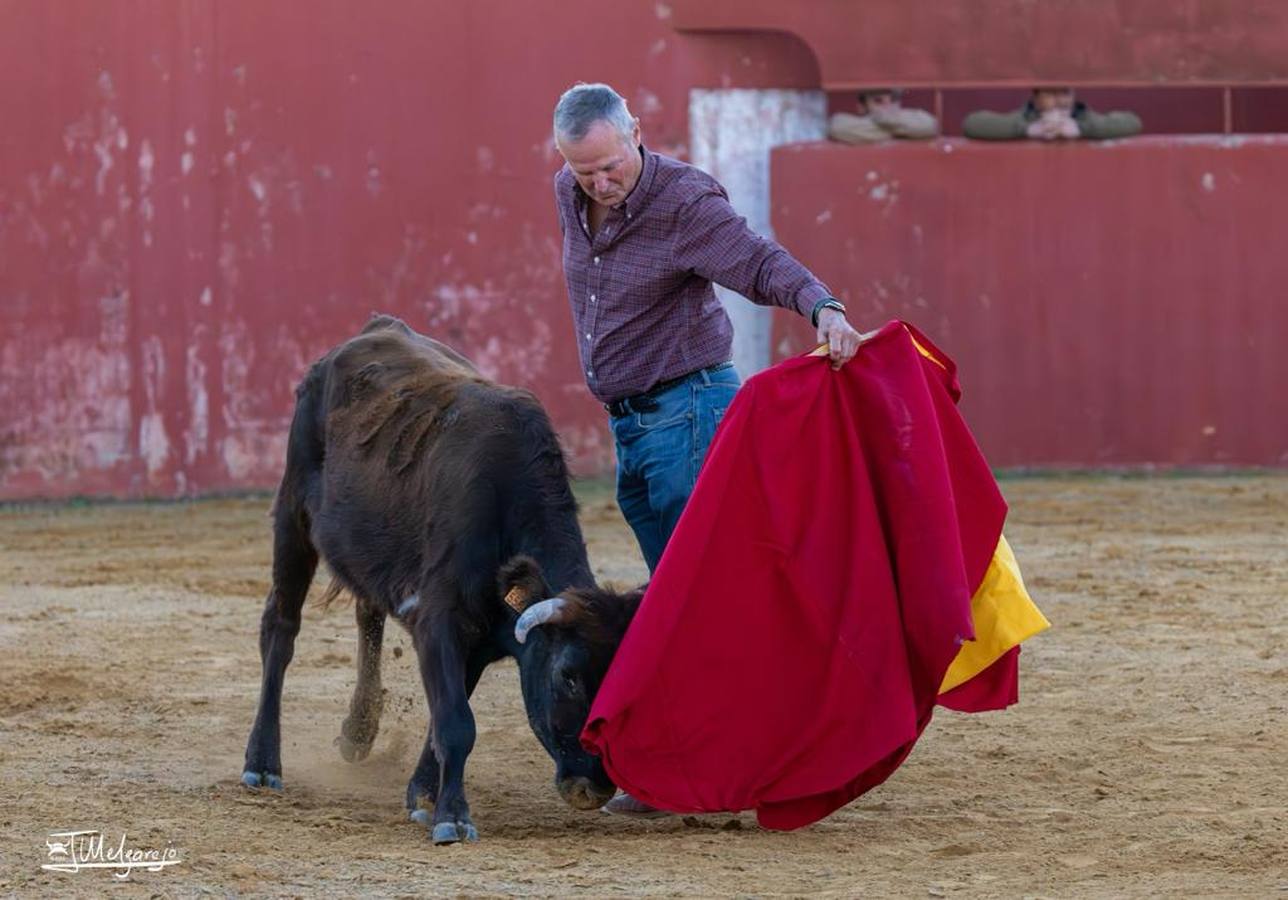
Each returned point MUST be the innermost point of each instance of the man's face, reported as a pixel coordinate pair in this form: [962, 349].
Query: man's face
[870, 103]
[604, 162]
[1054, 100]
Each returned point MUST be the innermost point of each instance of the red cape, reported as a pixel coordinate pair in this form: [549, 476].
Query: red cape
[792, 643]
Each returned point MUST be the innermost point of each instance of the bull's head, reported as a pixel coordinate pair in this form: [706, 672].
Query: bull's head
[567, 641]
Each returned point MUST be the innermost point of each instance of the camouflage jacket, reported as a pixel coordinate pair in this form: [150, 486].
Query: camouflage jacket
[993, 126]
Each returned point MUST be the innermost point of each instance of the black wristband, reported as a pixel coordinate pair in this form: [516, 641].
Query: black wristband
[825, 303]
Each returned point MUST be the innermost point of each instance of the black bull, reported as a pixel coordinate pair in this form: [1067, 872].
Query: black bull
[442, 499]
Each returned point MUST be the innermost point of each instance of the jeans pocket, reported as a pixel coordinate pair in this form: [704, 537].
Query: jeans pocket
[674, 407]
[716, 398]
[662, 418]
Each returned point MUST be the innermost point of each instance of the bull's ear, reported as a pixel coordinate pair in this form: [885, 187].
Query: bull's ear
[521, 583]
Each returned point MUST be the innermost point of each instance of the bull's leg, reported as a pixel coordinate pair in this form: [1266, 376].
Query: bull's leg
[294, 561]
[359, 730]
[422, 790]
[443, 665]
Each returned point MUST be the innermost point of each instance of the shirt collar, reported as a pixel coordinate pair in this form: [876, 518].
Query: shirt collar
[638, 197]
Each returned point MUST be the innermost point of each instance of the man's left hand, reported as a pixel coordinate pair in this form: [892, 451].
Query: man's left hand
[842, 340]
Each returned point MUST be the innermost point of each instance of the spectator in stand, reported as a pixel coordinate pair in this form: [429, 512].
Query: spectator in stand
[1052, 114]
[881, 117]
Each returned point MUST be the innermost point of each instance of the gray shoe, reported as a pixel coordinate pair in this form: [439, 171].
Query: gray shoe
[625, 805]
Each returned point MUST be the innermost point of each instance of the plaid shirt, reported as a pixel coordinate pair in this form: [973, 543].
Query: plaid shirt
[640, 290]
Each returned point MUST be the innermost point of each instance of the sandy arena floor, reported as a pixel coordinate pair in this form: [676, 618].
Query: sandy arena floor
[1148, 754]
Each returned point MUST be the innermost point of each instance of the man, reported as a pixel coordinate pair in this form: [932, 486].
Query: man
[1052, 114]
[881, 117]
[644, 237]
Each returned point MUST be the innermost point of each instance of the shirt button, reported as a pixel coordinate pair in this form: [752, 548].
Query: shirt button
[592, 298]
[596, 260]
[590, 374]
[588, 335]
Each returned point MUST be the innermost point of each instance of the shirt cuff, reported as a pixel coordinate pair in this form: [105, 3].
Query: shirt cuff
[808, 296]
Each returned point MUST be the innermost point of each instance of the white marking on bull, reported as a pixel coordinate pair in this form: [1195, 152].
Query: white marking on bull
[407, 606]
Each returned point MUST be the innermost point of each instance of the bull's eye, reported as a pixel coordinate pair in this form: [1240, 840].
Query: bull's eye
[570, 681]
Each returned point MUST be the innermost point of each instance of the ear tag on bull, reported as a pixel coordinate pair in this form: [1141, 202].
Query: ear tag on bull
[514, 599]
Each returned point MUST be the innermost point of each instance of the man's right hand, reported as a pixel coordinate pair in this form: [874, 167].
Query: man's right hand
[1054, 127]
[885, 116]
[1043, 129]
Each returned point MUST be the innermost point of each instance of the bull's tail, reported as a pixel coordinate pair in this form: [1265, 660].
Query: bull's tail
[336, 592]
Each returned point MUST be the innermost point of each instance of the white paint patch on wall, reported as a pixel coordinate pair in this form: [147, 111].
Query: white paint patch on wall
[147, 160]
[234, 345]
[254, 447]
[499, 360]
[374, 184]
[647, 103]
[198, 435]
[154, 444]
[453, 300]
[103, 150]
[83, 422]
[255, 454]
[731, 133]
[257, 187]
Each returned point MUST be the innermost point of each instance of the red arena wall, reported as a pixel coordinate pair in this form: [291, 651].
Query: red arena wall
[198, 197]
[203, 196]
[1109, 305]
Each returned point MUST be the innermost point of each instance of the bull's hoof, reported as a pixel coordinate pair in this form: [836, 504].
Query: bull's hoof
[454, 833]
[422, 817]
[351, 750]
[258, 780]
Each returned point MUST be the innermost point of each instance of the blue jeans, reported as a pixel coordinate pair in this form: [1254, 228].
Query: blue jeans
[660, 452]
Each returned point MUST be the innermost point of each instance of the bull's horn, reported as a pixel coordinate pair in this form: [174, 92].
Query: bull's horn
[555, 610]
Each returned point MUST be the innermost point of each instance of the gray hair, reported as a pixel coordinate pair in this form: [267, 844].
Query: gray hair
[582, 105]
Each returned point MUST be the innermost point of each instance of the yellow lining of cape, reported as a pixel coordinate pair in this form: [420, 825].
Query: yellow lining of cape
[1004, 616]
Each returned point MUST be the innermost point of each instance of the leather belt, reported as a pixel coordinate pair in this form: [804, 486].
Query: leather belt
[646, 401]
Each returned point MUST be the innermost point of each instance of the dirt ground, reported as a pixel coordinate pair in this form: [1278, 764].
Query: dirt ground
[1148, 754]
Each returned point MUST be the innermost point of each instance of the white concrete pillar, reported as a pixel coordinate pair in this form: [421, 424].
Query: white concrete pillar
[730, 135]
